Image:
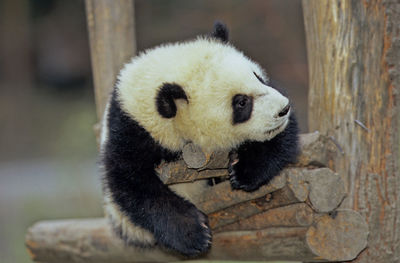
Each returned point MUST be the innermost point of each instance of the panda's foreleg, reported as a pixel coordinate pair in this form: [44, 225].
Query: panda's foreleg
[130, 233]
[254, 164]
[147, 202]
[136, 196]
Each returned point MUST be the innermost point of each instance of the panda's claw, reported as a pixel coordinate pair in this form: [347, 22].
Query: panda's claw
[238, 178]
[235, 161]
[233, 178]
[235, 184]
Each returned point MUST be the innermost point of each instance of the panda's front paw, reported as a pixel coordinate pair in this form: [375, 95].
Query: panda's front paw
[188, 233]
[243, 176]
[239, 181]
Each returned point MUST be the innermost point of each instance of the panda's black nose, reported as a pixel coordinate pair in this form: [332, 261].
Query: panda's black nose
[284, 111]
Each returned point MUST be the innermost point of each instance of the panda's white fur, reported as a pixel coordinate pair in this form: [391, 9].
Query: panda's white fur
[104, 130]
[210, 73]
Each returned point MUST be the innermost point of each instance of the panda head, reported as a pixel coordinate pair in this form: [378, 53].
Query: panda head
[203, 91]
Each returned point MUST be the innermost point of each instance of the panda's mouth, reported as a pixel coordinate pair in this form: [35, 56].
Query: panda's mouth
[273, 130]
[276, 129]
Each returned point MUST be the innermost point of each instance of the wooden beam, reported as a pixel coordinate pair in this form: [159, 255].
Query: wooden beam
[244, 210]
[274, 222]
[112, 42]
[315, 150]
[293, 215]
[354, 71]
[92, 240]
[321, 188]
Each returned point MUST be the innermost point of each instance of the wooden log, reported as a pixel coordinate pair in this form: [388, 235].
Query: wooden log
[321, 186]
[327, 189]
[294, 215]
[346, 231]
[298, 183]
[324, 188]
[281, 197]
[84, 240]
[179, 172]
[91, 240]
[112, 42]
[222, 196]
[194, 157]
[316, 150]
[354, 65]
[262, 245]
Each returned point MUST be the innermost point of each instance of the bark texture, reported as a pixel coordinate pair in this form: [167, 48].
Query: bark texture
[354, 61]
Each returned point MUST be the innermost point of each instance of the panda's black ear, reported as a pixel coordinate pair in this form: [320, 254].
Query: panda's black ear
[165, 100]
[220, 32]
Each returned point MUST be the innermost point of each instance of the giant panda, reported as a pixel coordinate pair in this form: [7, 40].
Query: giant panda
[202, 91]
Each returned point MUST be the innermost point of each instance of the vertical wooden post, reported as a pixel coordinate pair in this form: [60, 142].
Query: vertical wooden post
[16, 76]
[112, 43]
[354, 61]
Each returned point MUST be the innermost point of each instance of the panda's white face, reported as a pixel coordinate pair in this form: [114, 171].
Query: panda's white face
[224, 102]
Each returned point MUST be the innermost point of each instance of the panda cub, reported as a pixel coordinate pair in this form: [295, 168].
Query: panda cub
[202, 91]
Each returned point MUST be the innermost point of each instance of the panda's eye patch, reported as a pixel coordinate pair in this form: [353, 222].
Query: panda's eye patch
[260, 79]
[242, 106]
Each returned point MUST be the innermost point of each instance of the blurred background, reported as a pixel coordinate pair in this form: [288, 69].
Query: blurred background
[48, 152]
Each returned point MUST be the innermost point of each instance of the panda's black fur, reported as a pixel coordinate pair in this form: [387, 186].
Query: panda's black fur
[259, 162]
[130, 155]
